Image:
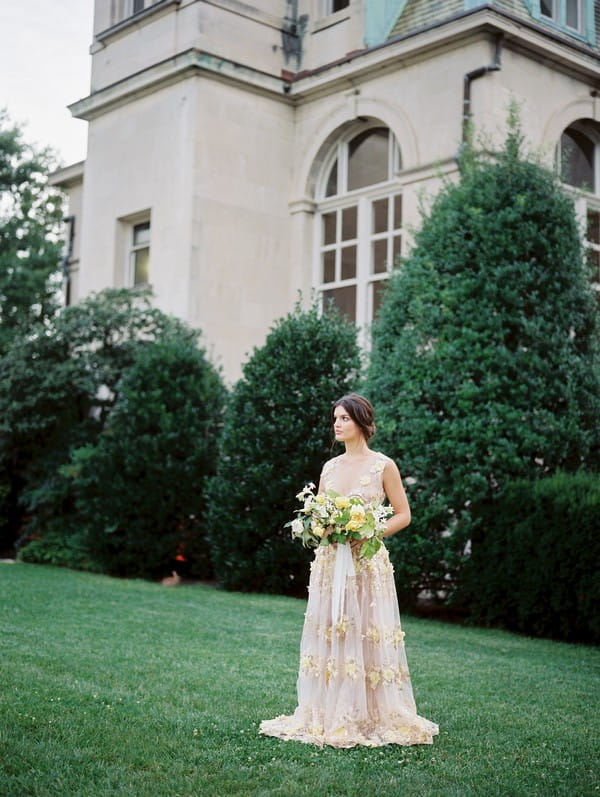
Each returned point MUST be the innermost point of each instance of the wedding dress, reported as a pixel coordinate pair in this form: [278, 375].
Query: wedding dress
[353, 683]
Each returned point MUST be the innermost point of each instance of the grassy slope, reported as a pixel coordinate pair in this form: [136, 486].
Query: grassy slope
[128, 688]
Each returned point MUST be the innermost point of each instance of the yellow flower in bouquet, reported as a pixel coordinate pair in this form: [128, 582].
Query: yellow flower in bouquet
[329, 517]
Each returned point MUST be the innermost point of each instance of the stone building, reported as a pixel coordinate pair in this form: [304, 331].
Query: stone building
[241, 152]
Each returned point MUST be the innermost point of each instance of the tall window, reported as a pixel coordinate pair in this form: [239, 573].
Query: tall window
[359, 223]
[593, 245]
[578, 158]
[578, 155]
[139, 256]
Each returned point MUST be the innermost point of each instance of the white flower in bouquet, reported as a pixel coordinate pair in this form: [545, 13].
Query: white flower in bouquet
[327, 518]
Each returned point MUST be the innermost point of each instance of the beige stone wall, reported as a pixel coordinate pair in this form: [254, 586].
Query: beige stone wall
[211, 166]
[227, 166]
[248, 35]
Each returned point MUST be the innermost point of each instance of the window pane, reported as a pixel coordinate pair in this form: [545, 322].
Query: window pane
[141, 260]
[328, 266]
[398, 211]
[138, 5]
[332, 189]
[577, 158]
[594, 261]
[348, 262]
[593, 226]
[573, 14]
[380, 215]
[546, 8]
[379, 262]
[349, 223]
[396, 251]
[337, 5]
[329, 227]
[378, 289]
[344, 299]
[141, 234]
[368, 158]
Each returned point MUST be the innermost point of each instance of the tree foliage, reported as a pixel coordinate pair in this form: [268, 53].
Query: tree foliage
[57, 387]
[275, 439]
[30, 246]
[485, 356]
[139, 487]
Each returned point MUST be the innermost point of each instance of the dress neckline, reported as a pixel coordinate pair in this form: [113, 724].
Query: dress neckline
[366, 477]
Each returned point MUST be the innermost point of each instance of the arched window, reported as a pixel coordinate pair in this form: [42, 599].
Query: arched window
[359, 222]
[578, 155]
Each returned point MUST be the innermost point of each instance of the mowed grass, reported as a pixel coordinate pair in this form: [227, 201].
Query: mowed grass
[113, 687]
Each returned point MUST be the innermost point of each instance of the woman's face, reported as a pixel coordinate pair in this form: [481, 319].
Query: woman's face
[344, 427]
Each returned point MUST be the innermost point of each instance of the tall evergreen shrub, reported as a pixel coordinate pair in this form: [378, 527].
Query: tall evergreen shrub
[139, 487]
[485, 355]
[58, 386]
[276, 437]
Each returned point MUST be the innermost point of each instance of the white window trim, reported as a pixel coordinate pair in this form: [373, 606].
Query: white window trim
[362, 199]
[133, 248]
[559, 16]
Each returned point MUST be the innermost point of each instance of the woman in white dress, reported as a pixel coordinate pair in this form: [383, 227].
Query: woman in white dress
[353, 684]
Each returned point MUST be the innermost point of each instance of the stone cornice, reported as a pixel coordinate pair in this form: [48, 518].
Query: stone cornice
[521, 35]
[68, 176]
[185, 64]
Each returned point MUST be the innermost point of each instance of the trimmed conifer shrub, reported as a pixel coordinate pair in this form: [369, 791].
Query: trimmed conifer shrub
[276, 436]
[484, 365]
[534, 560]
[139, 487]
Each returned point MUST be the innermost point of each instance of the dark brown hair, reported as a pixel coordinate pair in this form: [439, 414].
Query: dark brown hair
[360, 410]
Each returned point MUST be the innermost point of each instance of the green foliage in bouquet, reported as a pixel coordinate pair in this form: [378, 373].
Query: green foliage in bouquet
[276, 436]
[485, 364]
[139, 488]
[330, 517]
[534, 560]
[57, 388]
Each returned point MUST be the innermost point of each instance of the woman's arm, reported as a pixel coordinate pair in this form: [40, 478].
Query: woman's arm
[394, 489]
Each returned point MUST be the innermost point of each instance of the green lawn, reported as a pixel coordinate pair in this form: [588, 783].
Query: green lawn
[113, 687]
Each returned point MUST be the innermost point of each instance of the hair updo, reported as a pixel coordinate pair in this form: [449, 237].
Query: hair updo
[360, 410]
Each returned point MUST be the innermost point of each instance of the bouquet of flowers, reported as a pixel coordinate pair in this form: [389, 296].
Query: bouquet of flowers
[329, 517]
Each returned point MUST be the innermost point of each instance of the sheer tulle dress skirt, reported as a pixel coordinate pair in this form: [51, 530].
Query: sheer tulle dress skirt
[353, 683]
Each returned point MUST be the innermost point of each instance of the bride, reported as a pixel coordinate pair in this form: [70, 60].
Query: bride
[353, 684]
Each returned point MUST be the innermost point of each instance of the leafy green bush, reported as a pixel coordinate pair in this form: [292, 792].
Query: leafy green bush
[276, 436]
[60, 549]
[485, 356]
[57, 386]
[139, 488]
[534, 559]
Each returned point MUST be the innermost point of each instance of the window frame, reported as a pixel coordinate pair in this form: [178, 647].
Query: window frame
[365, 279]
[134, 248]
[558, 17]
[594, 136]
[121, 20]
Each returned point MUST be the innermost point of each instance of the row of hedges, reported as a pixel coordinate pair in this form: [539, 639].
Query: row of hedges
[484, 370]
[160, 476]
[534, 560]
